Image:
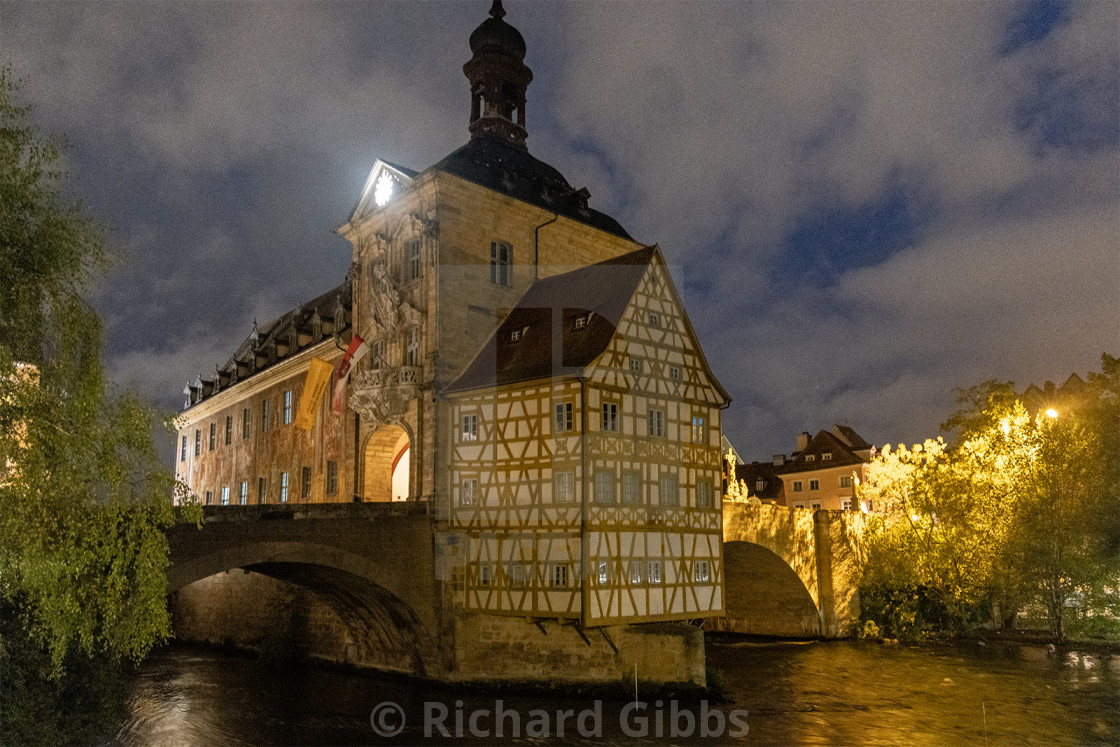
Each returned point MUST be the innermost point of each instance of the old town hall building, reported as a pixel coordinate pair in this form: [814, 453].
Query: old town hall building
[532, 376]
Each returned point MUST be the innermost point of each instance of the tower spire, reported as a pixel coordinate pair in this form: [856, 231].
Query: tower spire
[498, 79]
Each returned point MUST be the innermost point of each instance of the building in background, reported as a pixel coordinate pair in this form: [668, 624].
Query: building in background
[825, 469]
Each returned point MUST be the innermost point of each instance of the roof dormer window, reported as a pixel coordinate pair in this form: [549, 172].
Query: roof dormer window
[810, 457]
[826, 457]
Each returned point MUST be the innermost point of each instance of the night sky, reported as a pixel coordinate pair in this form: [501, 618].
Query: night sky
[864, 204]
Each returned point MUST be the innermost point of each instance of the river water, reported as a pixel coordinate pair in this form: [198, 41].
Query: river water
[816, 693]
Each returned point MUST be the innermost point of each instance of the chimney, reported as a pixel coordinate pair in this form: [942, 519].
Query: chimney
[803, 441]
[779, 460]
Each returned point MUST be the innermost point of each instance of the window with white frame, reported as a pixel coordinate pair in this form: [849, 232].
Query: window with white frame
[225, 495]
[826, 457]
[501, 263]
[760, 485]
[631, 487]
[810, 457]
[798, 486]
[845, 481]
[846, 504]
[183, 451]
[635, 365]
[468, 492]
[670, 489]
[699, 430]
[656, 423]
[485, 574]
[283, 487]
[197, 442]
[675, 373]
[653, 571]
[604, 572]
[469, 428]
[564, 487]
[412, 259]
[288, 407]
[560, 576]
[610, 416]
[412, 346]
[654, 320]
[814, 485]
[243, 497]
[637, 571]
[704, 494]
[562, 417]
[604, 485]
[701, 571]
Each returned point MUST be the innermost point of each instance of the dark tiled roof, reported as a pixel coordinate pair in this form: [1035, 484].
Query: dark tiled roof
[765, 471]
[497, 165]
[848, 435]
[826, 442]
[598, 294]
[306, 325]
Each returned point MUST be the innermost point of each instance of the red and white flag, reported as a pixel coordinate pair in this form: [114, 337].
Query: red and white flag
[354, 353]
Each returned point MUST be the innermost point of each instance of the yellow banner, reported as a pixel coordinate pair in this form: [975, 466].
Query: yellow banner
[318, 377]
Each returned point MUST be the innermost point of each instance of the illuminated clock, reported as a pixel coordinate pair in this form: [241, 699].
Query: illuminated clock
[383, 189]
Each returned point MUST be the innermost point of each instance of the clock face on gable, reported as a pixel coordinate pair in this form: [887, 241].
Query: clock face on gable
[383, 189]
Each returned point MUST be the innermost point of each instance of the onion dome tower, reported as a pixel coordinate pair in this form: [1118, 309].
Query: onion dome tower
[498, 80]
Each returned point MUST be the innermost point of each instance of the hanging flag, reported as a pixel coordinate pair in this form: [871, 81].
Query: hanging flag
[343, 372]
[318, 376]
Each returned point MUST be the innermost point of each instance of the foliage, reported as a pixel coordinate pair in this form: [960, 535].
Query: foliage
[83, 496]
[1020, 511]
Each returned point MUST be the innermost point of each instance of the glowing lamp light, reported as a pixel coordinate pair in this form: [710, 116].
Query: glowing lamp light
[1051, 413]
[383, 189]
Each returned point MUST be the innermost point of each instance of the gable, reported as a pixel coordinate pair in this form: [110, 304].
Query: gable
[385, 183]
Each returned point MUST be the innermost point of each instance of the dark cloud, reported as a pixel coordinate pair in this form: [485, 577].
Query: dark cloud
[866, 204]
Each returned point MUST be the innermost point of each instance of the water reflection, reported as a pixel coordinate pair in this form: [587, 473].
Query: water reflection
[810, 693]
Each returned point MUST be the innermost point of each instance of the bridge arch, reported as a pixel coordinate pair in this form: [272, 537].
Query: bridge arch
[764, 595]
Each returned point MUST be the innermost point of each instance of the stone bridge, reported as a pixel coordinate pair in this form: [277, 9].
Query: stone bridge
[790, 571]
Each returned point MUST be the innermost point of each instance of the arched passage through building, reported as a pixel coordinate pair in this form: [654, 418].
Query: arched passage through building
[387, 465]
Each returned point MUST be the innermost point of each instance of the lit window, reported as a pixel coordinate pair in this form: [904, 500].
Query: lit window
[332, 477]
[288, 407]
[797, 486]
[654, 320]
[305, 483]
[701, 571]
[637, 571]
[560, 576]
[670, 489]
[656, 423]
[264, 415]
[674, 373]
[468, 492]
[213, 439]
[564, 487]
[704, 494]
[246, 422]
[412, 347]
[197, 442]
[653, 568]
[635, 365]
[699, 432]
[631, 487]
[469, 430]
[760, 485]
[814, 485]
[412, 258]
[283, 487]
[262, 489]
[183, 451]
[604, 486]
[563, 417]
[845, 481]
[604, 572]
[610, 416]
[225, 495]
[243, 498]
[501, 263]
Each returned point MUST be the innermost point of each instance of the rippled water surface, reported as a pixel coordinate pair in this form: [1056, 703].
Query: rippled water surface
[792, 693]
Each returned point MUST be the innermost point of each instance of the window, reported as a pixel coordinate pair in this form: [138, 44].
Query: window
[225, 495]
[469, 430]
[213, 439]
[412, 346]
[656, 423]
[816, 505]
[810, 457]
[485, 575]
[637, 571]
[288, 407]
[826, 457]
[468, 492]
[814, 485]
[669, 490]
[243, 497]
[563, 419]
[760, 485]
[604, 486]
[674, 373]
[332, 478]
[701, 571]
[564, 487]
[209, 497]
[699, 432]
[264, 415]
[283, 487]
[635, 365]
[229, 429]
[197, 442]
[376, 354]
[501, 263]
[246, 422]
[846, 504]
[517, 575]
[631, 487]
[704, 494]
[412, 259]
[560, 576]
[604, 571]
[305, 483]
[653, 571]
[797, 486]
[610, 416]
[654, 320]
[845, 481]
[262, 489]
[183, 450]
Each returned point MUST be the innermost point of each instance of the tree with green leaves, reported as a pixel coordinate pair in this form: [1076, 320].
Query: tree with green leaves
[84, 498]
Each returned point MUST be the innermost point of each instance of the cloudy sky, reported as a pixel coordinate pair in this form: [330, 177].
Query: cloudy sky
[866, 204]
